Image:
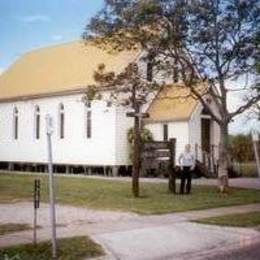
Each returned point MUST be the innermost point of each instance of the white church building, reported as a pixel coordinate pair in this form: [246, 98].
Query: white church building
[53, 81]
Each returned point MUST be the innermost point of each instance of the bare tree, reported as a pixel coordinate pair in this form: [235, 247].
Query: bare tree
[212, 41]
[130, 90]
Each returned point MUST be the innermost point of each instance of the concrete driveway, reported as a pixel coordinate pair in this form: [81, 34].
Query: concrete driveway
[177, 241]
[132, 236]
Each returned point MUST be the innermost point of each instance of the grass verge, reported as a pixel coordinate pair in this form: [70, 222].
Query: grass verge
[13, 227]
[68, 249]
[116, 195]
[251, 219]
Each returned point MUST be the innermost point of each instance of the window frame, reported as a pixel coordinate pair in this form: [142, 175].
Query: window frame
[88, 120]
[165, 132]
[37, 123]
[15, 123]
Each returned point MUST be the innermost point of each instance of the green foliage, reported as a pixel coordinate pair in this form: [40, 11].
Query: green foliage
[68, 249]
[146, 135]
[242, 148]
[251, 219]
[92, 93]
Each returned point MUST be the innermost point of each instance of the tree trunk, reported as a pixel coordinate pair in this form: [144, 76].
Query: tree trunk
[223, 158]
[172, 170]
[136, 155]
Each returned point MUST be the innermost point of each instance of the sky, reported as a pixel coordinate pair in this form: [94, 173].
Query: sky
[30, 24]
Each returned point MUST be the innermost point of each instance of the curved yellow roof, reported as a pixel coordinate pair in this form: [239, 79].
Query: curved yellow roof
[173, 102]
[60, 68]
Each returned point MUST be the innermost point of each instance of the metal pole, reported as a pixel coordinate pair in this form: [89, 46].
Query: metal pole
[255, 144]
[36, 205]
[255, 139]
[35, 227]
[51, 187]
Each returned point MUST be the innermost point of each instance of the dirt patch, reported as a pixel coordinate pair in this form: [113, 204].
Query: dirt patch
[22, 212]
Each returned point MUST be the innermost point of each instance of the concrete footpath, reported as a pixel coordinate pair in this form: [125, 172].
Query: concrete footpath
[132, 236]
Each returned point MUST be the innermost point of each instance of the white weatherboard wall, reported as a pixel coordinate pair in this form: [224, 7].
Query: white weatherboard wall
[186, 132]
[195, 129]
[108, 133]
[178, 130]
[123, 124]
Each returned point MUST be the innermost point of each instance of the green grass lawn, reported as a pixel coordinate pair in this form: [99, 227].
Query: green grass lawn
[68, 249]
[251, 219]
[13, 227]
[116, 195]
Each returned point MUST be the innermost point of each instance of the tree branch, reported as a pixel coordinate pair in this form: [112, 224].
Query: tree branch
[241, 109]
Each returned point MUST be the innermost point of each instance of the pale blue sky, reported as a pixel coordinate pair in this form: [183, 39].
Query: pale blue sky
[28, 24]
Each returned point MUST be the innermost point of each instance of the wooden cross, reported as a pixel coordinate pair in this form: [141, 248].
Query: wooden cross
[138, 115]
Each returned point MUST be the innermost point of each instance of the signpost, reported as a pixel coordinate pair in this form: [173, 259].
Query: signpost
[36, 202]
[255, 138]
[49, 131]
[161, 154]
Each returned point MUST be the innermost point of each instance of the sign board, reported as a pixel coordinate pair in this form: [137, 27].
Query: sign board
[157, 155]
[49, 124]
[155, 164]
[155, 145]
[160, 155]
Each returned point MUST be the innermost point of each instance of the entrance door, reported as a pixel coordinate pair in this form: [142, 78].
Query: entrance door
[205, 134]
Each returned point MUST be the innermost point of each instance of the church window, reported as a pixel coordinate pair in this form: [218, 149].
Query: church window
[37, 122]
[61, 121]
[16, 122]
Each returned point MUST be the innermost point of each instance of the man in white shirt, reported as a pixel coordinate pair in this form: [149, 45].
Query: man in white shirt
[187, 164]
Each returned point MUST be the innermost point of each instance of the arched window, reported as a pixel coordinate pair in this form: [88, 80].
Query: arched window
[37, 122]
[88, 121]
[61, 121]
[165, 132]
[16, 122]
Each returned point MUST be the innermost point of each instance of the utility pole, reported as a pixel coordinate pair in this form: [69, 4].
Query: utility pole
[49, 131]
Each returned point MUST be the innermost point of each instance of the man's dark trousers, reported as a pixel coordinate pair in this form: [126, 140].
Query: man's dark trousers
[185, 177]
